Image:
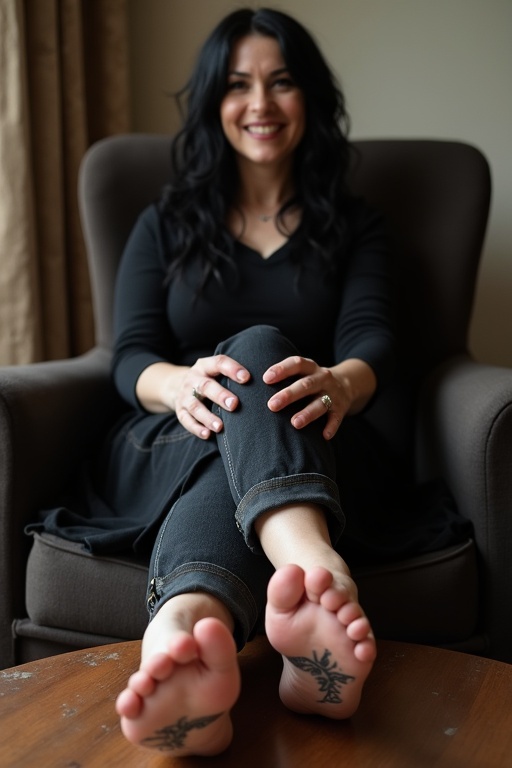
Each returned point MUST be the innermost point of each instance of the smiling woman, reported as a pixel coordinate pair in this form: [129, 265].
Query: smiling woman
[263, 118]
[262, 113]
[260, 169]
[215, 345]
[300, 92]
[244, 378]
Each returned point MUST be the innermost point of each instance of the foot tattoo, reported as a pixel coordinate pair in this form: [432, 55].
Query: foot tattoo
[328, 677]
[174, 736]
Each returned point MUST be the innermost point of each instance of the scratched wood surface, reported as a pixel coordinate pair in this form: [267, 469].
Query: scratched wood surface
[422, 707]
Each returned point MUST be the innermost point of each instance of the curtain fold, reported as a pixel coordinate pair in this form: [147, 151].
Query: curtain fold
[19, 327]
[70, 58]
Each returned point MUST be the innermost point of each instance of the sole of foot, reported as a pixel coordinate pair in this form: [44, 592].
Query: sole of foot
[324, 637]
[181, 706]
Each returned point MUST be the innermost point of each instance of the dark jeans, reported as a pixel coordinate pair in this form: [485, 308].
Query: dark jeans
[207, 541]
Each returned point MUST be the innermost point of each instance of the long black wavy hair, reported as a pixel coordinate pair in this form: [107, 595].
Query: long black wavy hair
[204, 170]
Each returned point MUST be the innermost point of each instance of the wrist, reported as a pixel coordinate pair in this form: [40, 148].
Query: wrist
[171, 385]
[158, 386]
[358, 382]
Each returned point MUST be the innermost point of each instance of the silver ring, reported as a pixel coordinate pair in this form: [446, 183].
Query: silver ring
[326, 400]
[196, 393]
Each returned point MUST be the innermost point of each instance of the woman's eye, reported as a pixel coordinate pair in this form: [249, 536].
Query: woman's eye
[236, 85]
[284, 83]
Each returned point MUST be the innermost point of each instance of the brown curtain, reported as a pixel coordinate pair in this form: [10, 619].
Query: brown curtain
[72, 80]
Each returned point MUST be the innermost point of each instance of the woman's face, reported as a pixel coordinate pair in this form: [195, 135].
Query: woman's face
[262, 112]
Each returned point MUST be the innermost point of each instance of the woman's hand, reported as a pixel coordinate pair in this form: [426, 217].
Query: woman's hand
[164, 387]
[199, 383]
[333, 392]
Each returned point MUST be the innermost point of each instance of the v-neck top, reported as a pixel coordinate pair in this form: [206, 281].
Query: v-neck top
[275, 255]
[329, 317]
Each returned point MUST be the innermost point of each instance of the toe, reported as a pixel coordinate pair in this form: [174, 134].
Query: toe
[216, 646]
[334, 599]
[359, 629]
[286, 588]
[141, 683]
[159, 666]
[366, 651]
[349, 613]
[317, 581]
[128, 704]
[183, 647]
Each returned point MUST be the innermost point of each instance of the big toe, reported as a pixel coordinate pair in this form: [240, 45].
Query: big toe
[286, 588]
[217, 649]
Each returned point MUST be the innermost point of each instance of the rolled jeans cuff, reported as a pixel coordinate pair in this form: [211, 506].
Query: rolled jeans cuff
[304, 488]
[217, 581]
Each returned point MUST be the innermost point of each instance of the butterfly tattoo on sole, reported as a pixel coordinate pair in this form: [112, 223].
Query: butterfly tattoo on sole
[174, 736]
[329, 676]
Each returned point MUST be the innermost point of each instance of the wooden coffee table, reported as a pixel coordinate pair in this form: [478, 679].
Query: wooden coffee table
[422, 707]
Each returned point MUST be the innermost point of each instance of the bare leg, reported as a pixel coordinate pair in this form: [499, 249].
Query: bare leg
[313, 615]
[179, 700]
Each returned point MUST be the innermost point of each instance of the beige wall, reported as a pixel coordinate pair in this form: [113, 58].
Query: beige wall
[418, 68]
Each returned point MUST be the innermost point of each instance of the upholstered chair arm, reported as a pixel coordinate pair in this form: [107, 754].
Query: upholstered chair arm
[50, 413]
[465, 434]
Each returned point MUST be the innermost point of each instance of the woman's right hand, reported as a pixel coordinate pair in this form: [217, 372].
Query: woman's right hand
[199, 383]
[164, 387]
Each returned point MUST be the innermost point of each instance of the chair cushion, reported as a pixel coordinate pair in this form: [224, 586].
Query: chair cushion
[431, 598]
[71, 589]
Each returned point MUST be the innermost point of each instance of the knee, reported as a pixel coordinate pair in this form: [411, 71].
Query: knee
[260, 334]
[259, 344]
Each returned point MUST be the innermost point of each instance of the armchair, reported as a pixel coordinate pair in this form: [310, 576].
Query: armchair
[452, 415]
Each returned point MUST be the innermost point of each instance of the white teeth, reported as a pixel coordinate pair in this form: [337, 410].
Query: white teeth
[263, 130]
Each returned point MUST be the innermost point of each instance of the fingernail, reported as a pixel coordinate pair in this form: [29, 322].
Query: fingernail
[205, 433]
[230, 402]
[270, 377]
[216, 426]
[298, 422]
[275, 402]
[242, 376]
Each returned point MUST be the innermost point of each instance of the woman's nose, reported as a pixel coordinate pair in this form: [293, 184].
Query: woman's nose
[260, 98]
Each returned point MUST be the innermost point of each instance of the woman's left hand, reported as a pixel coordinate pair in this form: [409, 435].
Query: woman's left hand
[335, 392]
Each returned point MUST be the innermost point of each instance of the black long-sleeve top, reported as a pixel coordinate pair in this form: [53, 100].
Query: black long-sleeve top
[329, 317]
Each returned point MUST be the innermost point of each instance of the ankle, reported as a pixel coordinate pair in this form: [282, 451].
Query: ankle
[187, 609]
[294, 534]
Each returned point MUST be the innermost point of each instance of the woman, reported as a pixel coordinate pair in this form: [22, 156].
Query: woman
[252, 321]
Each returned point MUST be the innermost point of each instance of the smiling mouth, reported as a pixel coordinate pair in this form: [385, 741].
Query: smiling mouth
[263, 130]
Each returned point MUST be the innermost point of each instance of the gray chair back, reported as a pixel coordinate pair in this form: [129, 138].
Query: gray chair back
[434, 194]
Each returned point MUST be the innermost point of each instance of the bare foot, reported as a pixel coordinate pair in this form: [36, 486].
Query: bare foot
[179, 701]
[324, 637]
